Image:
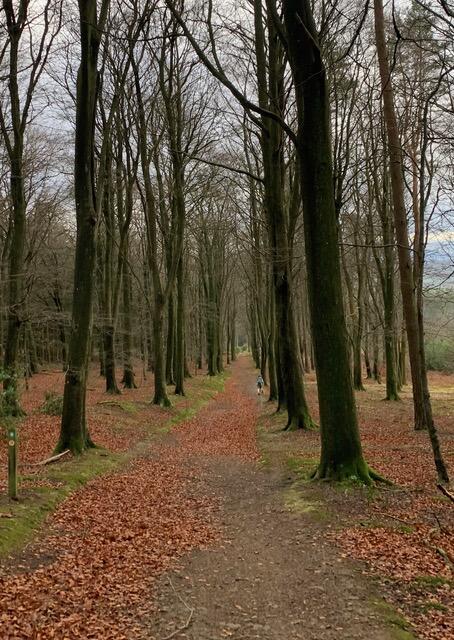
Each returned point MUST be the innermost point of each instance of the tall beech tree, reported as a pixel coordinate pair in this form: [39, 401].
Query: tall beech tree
[74, 433]
[341, 452]
[126, 176]
[270, 82]
[23, 80]
[115, 67]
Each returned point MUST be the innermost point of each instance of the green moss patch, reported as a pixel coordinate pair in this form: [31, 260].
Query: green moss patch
[302, 467]
[296, 501]
[432, 581]
[400, 628]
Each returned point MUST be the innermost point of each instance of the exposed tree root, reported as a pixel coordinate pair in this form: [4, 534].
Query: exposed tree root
[394, 397]
[113, 391]
[75, 445]
[445, 492]
[354, 472]
[304, 422]
[359, 387]
[162, 402]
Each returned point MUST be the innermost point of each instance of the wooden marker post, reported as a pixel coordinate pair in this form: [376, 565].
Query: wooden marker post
[12, 463]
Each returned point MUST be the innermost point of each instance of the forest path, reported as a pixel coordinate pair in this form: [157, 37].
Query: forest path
[272, 576]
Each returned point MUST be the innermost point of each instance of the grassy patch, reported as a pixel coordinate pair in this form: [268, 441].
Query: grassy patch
[277, 421]
[204, 390]
[433, 606]
[399, 626]
[301, 467]
[215, 383]
[52, 405]
[265, 461]
[432, 582]
[296, 501]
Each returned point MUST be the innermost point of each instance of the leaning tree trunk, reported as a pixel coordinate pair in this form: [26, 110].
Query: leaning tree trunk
[341, 452]
[421, 398]
[74, 432]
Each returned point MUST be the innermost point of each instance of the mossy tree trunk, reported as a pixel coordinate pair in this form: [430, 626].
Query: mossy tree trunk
[15, 25]
[74, 431]
[341, 452]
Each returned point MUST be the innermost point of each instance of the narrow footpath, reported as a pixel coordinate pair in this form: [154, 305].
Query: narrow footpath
[271, 576]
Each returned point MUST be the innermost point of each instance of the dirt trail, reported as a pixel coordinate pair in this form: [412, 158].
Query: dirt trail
[273, 576]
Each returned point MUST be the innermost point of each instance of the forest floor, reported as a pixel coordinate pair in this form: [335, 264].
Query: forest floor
[188, 525]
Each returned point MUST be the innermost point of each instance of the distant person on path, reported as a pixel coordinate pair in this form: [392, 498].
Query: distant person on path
[260, 384]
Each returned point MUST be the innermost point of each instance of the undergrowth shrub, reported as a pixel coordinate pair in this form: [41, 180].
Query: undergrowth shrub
[52, 405]
[440, 355]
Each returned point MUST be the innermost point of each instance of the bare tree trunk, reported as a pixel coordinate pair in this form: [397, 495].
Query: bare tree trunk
[287, 360]
[108, 323]
[128, 370]
[170, 339]
[180, 333]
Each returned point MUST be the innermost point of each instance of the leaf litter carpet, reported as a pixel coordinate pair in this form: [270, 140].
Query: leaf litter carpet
[91, 575]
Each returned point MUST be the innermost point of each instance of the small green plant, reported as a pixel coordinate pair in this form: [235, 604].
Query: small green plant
[432, 582]
[9, 402]
[52, 405]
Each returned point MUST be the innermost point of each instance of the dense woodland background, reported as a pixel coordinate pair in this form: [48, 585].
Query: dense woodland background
[192, 129]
